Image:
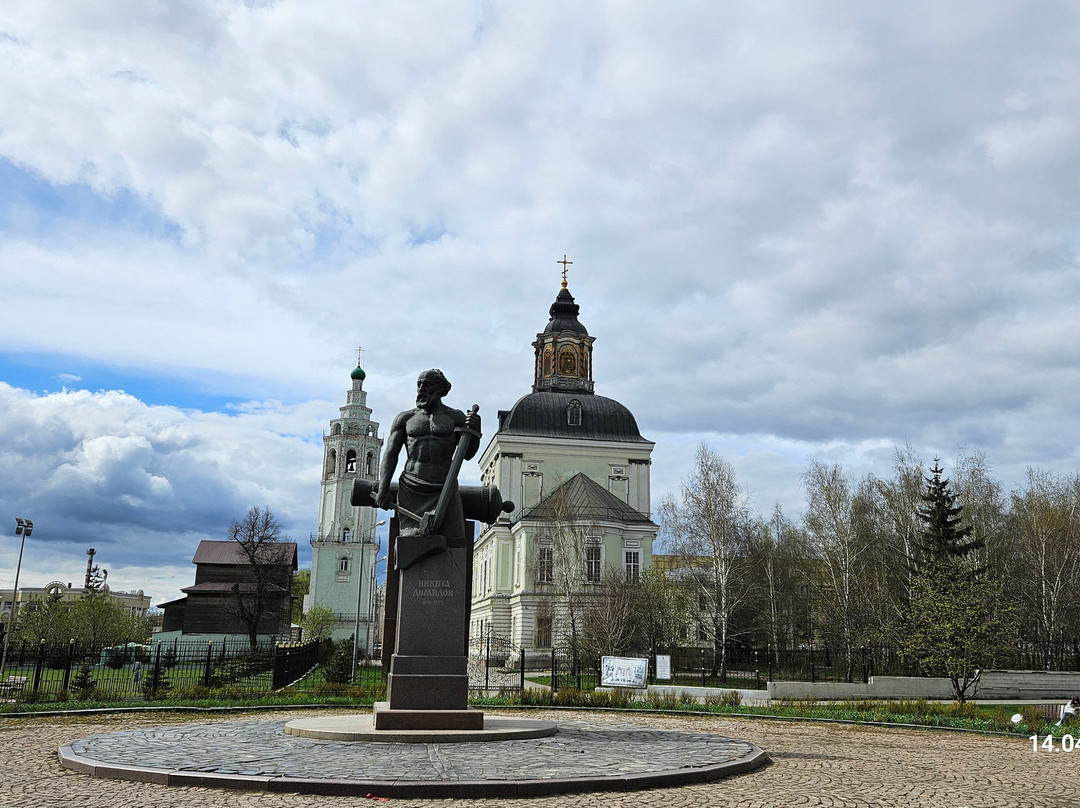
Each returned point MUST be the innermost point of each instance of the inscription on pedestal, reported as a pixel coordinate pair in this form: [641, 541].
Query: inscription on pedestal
[432, 591]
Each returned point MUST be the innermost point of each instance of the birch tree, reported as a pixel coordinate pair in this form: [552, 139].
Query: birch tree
[1046, 521]
[708, 525]
[840, 550]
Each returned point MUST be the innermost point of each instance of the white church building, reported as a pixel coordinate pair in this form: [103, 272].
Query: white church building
[570, 460]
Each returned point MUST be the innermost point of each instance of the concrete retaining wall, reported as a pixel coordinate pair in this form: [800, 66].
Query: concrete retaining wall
[1020, 685]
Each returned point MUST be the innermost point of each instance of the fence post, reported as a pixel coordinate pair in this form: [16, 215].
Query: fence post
[757, 671]
[40, 664]
[70, 659]
[554, 671]
[521, 654]
[577, 667]
[155, 672]
[206, 670]
[487, 663]
[703, 667]
[770, 661]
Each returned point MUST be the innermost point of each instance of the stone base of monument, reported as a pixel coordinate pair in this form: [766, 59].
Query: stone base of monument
[389, 719]
[345, 755]
[364, 728]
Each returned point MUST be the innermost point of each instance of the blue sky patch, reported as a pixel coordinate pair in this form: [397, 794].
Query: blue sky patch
[32, 206]
[41, 373]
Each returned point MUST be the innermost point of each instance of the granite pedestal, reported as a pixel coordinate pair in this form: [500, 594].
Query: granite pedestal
[428, 683]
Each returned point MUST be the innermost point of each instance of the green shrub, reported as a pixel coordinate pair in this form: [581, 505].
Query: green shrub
[725, 698]
[338, 668]
[116, 657]
[155, 683]
[194, 692]
[84, 683]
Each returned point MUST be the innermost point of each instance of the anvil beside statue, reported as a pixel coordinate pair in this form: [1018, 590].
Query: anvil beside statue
[479, 503]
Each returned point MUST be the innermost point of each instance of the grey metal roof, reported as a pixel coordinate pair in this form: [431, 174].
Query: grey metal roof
[216, 588]
[229, 552]
[582, 498]
[544, 414]
[563, 315]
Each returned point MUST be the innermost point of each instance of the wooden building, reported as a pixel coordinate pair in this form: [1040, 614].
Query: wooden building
[210, 609]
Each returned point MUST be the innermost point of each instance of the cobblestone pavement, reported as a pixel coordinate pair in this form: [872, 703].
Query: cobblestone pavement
[813, 764]
[583, 747]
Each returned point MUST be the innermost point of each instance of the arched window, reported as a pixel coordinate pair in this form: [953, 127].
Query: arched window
[350, 461]
[343, 564]
[369, 464]
[331, 462]
[335, 429]
[573, 413]
[346, 534]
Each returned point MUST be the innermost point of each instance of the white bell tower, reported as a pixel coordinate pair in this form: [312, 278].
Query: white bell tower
[344, 551]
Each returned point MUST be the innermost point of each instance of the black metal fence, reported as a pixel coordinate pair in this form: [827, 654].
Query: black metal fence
[573, 669]
[752, 668]
[145, 671]
[495, 664]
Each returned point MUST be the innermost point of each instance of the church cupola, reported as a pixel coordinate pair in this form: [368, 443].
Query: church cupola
[563, 348]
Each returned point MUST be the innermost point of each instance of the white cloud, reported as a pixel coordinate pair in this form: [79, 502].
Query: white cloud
[144, 484]
[796, 229]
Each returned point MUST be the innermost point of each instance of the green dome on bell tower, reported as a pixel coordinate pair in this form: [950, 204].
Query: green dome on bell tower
[358, 374]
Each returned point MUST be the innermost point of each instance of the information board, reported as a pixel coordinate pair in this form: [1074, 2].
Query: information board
[623, 671]
[663, 667]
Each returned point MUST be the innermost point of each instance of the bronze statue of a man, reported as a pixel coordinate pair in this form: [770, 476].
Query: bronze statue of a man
[431, 434]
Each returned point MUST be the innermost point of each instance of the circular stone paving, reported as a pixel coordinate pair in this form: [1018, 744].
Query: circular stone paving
[258, 755]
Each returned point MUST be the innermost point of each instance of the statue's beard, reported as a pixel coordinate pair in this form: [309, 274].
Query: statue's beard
[422, 401]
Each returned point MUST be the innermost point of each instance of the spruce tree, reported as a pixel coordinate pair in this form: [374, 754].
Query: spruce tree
[945, 540]
[956, 623]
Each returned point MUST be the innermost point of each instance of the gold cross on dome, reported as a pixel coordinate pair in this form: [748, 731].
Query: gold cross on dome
[564, 263]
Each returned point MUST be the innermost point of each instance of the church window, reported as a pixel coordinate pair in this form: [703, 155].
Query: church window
[346, 534]
[573, 413]
[543, 632]
[532, 486]
[335, 429]
[343, 564]
[545, 565]
[331, 462]
[350, 462]
[632, 560]
[620, 487]
[369, 464]
[593, 563]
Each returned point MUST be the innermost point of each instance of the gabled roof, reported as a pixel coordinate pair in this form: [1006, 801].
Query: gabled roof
[583, 499]
[230, 552]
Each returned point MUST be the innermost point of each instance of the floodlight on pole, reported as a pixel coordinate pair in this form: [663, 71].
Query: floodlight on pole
[23, 527]
[359, 596]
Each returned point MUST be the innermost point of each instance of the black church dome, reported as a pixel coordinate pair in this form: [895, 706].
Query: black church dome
[580, 416]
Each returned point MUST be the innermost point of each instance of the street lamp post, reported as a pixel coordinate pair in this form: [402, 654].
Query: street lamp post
[23, 527]
[359, 599]
[371, 603]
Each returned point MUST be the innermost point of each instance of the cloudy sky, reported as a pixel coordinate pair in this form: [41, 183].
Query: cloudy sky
[798, 230]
